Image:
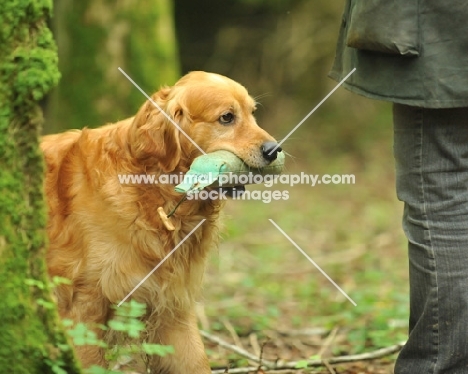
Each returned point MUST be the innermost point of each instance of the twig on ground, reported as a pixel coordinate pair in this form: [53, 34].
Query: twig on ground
[379, 353]
[233, 332]
[325, 350]
[329, 367]
[240, 351]
[304, 332]
[253, 338]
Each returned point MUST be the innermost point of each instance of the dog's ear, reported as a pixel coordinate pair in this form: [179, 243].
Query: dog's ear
[154, 136]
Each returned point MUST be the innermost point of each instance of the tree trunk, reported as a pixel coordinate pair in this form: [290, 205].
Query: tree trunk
[95, 38]
[31, 336]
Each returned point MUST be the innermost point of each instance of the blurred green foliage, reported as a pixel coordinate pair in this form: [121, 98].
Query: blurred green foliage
[281, 50]
[95, 38]
[127, 323]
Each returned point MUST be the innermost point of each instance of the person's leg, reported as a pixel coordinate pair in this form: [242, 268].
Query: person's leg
[431, 154]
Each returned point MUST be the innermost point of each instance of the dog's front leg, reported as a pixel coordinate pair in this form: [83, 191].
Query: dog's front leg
[89, 307]
[189, 356]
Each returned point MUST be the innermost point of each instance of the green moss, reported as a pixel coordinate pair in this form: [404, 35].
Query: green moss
[28, 70]
[31, 333]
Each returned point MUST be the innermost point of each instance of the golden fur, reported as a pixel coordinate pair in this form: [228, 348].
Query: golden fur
[106, 237]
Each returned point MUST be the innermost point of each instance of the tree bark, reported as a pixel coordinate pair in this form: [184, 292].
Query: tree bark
[31, 336]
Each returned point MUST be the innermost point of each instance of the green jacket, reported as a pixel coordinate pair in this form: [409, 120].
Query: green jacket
[413, 52]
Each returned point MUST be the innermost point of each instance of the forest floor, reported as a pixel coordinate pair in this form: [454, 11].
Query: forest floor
[264, 301]
[264, 296]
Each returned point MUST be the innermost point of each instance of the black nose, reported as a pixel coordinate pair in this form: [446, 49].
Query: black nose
[270, 151]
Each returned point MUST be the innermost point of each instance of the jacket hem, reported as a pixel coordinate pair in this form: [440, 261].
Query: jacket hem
[423, 103]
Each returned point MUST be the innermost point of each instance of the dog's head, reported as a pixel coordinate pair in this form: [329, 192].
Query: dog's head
[201, 111]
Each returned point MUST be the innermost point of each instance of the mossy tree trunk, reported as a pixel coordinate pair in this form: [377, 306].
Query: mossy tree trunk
[31, 337]
[94, 38]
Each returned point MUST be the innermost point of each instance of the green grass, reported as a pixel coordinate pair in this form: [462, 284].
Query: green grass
[259, 281]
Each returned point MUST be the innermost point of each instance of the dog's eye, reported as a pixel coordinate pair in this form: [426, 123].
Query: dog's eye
[226, 118]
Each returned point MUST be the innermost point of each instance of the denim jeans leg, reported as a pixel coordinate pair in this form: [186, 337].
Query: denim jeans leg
[431, 155]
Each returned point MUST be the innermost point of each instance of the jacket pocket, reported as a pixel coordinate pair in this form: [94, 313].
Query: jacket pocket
[386, 26]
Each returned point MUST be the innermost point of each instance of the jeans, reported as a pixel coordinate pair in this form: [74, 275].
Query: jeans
[431, 154]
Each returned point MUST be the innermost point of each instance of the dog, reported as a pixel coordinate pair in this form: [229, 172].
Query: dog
[105, 237]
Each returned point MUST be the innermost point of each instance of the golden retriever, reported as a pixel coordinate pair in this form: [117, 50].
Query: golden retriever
[106, 237]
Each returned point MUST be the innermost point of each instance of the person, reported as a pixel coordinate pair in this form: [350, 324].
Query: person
[415, 55]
